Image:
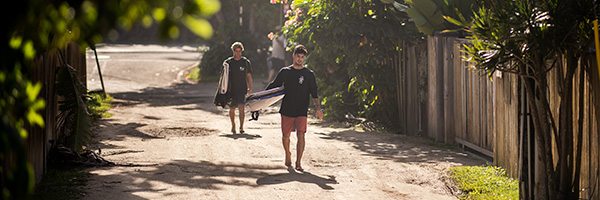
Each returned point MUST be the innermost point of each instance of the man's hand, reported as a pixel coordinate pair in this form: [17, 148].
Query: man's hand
[271, 35]
[319, 114]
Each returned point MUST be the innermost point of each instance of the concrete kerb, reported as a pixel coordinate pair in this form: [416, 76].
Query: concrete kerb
[134, 48]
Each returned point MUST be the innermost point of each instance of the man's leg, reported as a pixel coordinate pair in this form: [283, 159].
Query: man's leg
[242, 115]
[271, 74]
[286, 130]
[300, 123]
[232, 118]
[270, 69]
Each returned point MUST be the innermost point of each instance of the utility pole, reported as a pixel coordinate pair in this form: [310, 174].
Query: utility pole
[93, 46]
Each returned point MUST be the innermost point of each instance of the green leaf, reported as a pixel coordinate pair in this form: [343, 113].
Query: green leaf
[28, 50]
[200, 27]
[147, 21]
[370, 12]
[35, 118]
[32, 91]
[352, 82]
[89, 11]
[209, 7]
[453, 21]
[159, 14]
[23, 133]
[173, 32]
[374, 101]
[39, 104]
[31, 178]
[15, 42]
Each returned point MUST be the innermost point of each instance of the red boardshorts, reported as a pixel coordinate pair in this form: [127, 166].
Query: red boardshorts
[290, 123]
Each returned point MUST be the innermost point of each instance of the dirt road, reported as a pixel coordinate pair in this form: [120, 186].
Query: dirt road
[173, 143]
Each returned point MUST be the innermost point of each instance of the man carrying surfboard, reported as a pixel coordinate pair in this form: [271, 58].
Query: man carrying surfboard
[239, 83]
[299, 85]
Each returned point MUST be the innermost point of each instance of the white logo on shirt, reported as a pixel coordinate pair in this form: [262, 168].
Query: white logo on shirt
[301, 79]
[242, 68]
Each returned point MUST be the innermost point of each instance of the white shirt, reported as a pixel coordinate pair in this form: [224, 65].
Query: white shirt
[278, 47]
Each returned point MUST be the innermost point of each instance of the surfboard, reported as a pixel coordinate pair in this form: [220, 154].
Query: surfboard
[221, 96]
[224, 80]
[263, 99]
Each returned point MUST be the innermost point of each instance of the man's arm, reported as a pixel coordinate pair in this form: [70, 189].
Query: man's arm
[278, 81]
[249, 83]
[315, 94]
[319, 110]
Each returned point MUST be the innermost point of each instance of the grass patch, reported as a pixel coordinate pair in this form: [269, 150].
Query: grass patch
[484, 182]
[98, 105]
[194, 74]
[62, 184]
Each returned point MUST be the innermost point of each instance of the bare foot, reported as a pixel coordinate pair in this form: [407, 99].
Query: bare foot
[288, 160]
[299, 167]
[233, 130]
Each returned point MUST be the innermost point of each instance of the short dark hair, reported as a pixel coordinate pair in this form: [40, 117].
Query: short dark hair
[300, 49]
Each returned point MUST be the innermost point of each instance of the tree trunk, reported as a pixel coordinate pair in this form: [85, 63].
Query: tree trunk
[536, 92]
[540, 188]
[565, 159]
[576, 176]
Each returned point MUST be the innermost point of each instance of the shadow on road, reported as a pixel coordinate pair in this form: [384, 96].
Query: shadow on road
[401, 148]
[241, 135]
[292, 175]
[119, 132]
[189, 174]
[188, 96]
[200, 96]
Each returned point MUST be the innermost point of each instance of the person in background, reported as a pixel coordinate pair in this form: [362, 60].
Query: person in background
[240, 83]
[277, 59]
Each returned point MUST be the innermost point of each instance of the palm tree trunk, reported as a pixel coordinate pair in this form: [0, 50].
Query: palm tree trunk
[536, 92]
[581, 106]
[565, 158]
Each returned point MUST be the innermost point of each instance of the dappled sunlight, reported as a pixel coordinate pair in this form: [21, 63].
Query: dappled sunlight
[400, 148]
[174, 95]
[186, 174]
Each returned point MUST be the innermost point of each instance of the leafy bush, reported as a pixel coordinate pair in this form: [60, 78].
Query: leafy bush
[19, 108]
[37, 26]
[98, 105]
[212, 60]
[352, 44]
[229, 30]
[73, 121]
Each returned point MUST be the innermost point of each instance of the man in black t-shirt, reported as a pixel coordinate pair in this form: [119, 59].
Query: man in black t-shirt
[239, 83]
[299, 85]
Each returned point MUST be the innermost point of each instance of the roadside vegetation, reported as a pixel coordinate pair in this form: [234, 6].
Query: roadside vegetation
[98, 105]
[484, 183]
[63, 180]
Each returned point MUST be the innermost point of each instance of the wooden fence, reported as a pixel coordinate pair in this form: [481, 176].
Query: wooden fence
[489, 114]
[44, 71]
[466, 107]
[586, 91]
[411, 73]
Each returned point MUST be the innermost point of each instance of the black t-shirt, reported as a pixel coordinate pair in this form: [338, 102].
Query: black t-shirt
[237, 74]
[299, 85]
